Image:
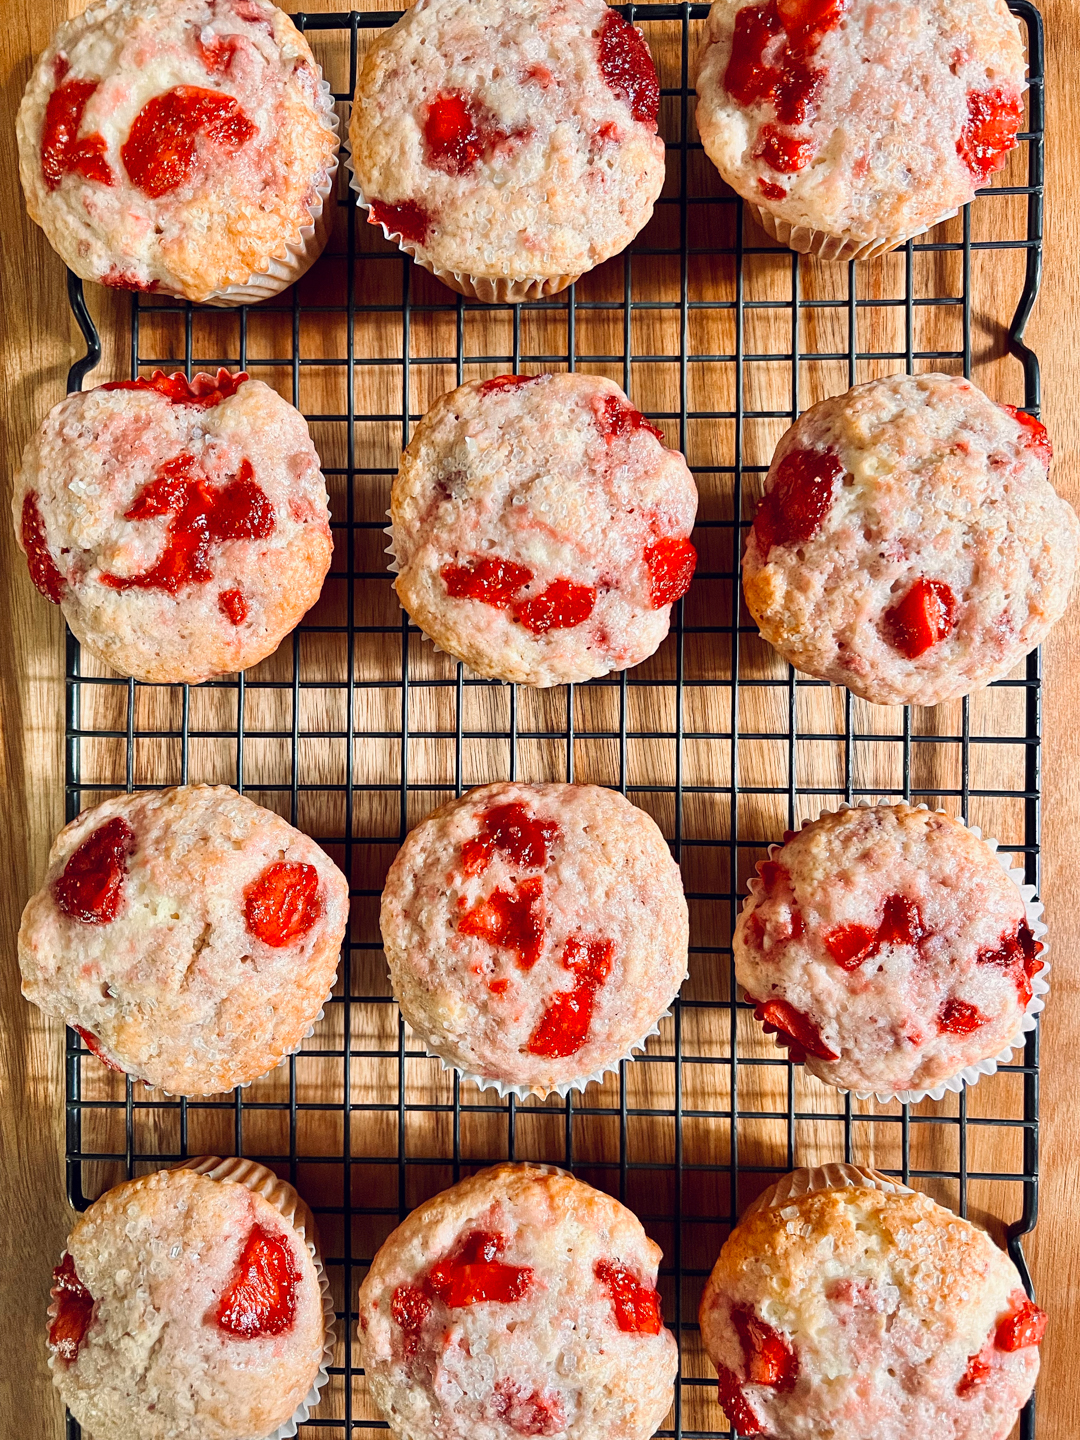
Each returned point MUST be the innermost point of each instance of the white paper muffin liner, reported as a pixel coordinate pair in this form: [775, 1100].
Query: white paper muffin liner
[492, 289]
[528, 1092]
[303, 250]
[808, 241]
[284, 1199]
[834, 1176]
[970, 1074]
[243, 1085]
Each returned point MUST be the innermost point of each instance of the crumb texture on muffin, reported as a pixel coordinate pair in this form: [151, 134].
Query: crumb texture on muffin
[519, 1302]
[182, 527]
[848, 1313]
[541, 528]
[888, 947]
[909, 544]
[510, 138]
[534, 933]
[862, 119]
[188, 934]
[175, 148]
[144, 1339]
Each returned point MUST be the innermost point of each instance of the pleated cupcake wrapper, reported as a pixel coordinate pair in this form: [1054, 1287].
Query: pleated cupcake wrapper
[528, 1092]
[287, 1202]
[808, 241]
[834, 1176]
[243, 1084]
[492, 289]
[301, 252]
[970, 1074]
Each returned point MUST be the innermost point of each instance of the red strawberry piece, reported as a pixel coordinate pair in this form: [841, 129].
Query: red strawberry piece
[233, 606]
[849, 945]
[794, 509]
[1034, 435]
[628, 68]
[782, 151]
[283, 903]
[459, 132]
[563, 1028]
[636, 1306]
[769, 1358]
[805, 1038]
[771, 191]
[670, 563]
[409, 1308]
[485, 578]
[261, 1300]
[199, 516]
[161, 149]
[901, 923]
[203, 391]
[505, 382]
[511, 830]
[975, 1375]
[44, 571]
[957, 1017]
[924, 617]
[562, 606]
[62, 152]
[511, 919]
[614, 417]
[74, 1311]
[472, 1274]
[528, 1412]
[407, 219]
[93, 1044]
[91, 887]
[989, 131]
[1025, 1326]
[735, 1404]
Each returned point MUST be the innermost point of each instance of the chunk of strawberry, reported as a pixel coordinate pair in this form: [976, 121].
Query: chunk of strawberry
[262, 1297]
[769, 1358]
[283, 903]
[1025, 1326]
[74, 1311]
[804, 1037]
[923, 618]
[735, 1404]
[849, 945]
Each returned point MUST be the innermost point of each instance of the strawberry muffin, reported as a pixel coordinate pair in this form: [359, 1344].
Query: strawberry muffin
[851, 125]
[909, 544]
[182, 526]
[190, 936]
[889, 949]
[508, 145]
[520, 1302]
[845, 1305]
[187, 148]
[541, 528]
[188, 1306]
[535, 934]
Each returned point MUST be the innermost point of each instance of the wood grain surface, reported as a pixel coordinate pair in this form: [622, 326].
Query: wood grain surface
[39, 342]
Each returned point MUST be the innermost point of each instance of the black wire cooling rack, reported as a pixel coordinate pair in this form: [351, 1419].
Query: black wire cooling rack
[356, 729]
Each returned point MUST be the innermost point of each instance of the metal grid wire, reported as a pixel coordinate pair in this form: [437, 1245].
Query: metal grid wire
[686, 1202]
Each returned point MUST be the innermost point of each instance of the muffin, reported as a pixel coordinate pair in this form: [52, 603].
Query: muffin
[540, 528]
[519, 1302]
[189, 1306]
[845, 1305]
[188, 935]
[889, 949]
[909, 544]
[187, 148]
[851, 125]
[508, 145]
[535, 934]
[182, 527]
